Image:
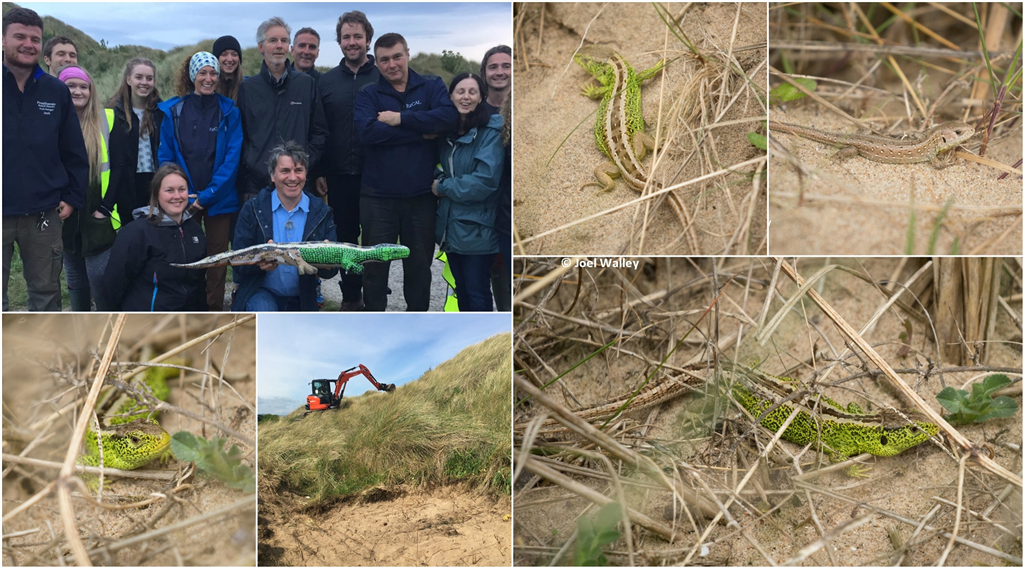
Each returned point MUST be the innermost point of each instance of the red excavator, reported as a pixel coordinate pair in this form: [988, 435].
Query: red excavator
[325, 397]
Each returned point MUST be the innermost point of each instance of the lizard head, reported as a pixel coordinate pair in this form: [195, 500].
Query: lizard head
[134, 444]
[890, 441]
[954, 133]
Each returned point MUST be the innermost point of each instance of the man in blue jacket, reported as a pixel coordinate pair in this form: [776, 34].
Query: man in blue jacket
[397, 119]
[45, 165]
[281, 213]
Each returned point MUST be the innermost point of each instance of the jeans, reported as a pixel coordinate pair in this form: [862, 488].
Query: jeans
[266, 301]
[343, 197]
[41, 252]
[217, 229]
[408, 221]
[86, 273]
[472, 274]
[501, 274]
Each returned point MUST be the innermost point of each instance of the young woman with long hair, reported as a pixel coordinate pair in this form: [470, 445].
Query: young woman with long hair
[135, 138]
[88, 233]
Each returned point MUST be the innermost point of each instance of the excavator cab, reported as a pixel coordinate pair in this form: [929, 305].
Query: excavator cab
[327, 393]
[321, 399]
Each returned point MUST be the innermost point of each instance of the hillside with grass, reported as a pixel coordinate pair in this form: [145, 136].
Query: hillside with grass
[452, 425]
[105, 63]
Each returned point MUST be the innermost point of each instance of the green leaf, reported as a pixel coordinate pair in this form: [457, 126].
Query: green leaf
[757, 140]
[185, 447]
[786, 92]
[212, 459]
[979, 406]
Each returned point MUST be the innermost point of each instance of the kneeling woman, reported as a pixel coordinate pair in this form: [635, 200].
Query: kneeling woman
[139, 276]
[471, 162]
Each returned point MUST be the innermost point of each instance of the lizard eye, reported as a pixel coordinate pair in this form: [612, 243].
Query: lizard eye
[884, 440]
[135, 439]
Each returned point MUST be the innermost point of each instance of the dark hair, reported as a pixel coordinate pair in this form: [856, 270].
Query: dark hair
[228, 83]
[124, 94]
[390, 40]
[291, 149]
[355, 17]
[154, 189]
[48, 46]
[496, 49]
[185, 83]
[307, 31]
[480, 114]
[23, 16]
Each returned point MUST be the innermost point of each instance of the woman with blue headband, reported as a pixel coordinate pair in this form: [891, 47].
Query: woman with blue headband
[202, 133]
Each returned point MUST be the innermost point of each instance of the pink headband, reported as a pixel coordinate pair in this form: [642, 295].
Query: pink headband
[74, 73]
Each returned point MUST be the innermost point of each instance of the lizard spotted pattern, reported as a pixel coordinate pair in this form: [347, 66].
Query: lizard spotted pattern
[918, 147]
[619, 128]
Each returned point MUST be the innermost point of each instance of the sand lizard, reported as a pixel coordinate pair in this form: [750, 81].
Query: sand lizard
[918, 147]
[619, 128]
[845, 431]
[130, 442]
[306, 256]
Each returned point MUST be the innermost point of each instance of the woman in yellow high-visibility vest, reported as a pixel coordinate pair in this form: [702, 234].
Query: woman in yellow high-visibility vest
[88, 233]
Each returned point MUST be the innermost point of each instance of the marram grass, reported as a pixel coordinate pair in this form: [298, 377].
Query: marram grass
[451, 425]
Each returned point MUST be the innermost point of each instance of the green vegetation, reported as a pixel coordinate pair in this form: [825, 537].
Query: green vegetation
[212, 459]
[978, 406]
[595, 534]
[450, 425]
[17, 292]
[105, 63]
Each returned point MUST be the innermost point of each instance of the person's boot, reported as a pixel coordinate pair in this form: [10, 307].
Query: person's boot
[81, 300]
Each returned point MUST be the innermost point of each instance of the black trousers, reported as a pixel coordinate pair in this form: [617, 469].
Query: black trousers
[343, 197]
[409, 222]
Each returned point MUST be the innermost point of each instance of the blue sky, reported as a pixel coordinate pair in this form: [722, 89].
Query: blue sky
[293, 349]
[468, 28]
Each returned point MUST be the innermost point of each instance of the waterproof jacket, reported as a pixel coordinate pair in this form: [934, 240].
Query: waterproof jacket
[139, 276]
[275, 114]
[399, 161]
[338, 88]
[472, 166]
[256, 227]
[124, 159]
[220, 196]
[44, 157]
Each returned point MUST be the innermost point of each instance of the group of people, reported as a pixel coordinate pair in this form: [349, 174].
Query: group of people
[117, 195]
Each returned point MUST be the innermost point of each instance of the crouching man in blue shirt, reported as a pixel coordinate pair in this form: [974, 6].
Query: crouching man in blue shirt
[281, 213]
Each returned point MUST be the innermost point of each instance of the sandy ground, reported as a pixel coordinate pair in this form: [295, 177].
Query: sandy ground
[36, 340]
[445, 527]
[908, 484]
[555, 150]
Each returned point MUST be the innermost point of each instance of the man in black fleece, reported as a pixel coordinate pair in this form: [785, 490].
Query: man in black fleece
[45, 165]
[278, 105]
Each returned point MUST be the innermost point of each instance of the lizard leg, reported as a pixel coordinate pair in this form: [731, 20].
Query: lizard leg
[642, 142]
[944, 162]
[304, 267]
[847, 152]
[605, 175]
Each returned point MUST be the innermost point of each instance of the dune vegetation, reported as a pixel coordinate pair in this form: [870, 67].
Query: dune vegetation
[452, 425]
